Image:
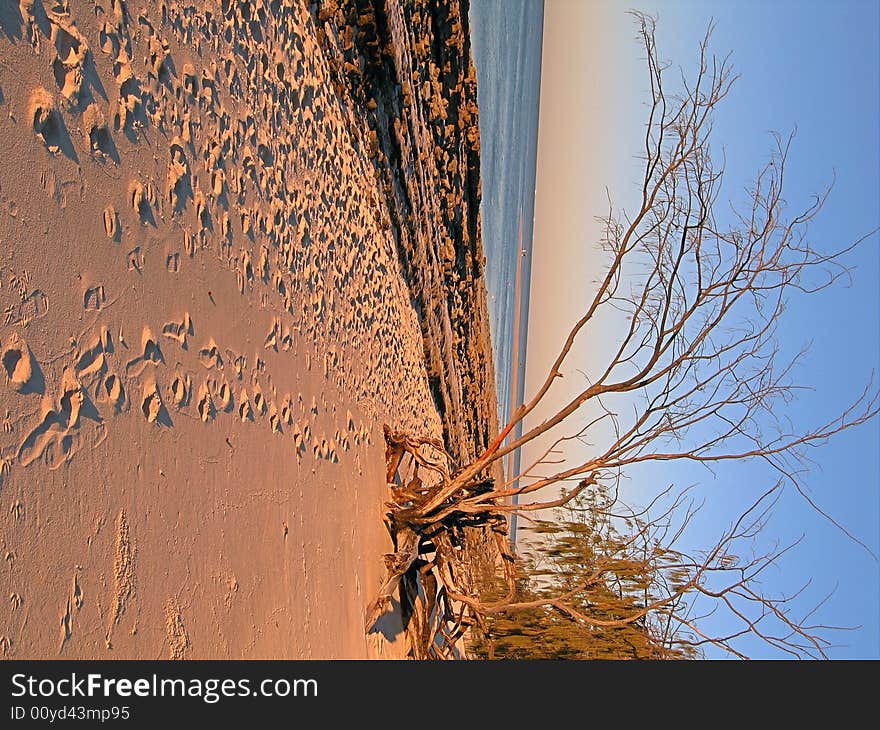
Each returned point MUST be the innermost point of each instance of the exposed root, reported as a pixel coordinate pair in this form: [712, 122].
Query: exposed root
[426, 567]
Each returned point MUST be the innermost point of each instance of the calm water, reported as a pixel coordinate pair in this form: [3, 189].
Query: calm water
[506, 41]
[506, 38]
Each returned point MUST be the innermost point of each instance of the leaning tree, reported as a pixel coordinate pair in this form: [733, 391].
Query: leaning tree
[705, 381]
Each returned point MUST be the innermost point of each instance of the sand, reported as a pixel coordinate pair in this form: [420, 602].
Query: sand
[206, 322]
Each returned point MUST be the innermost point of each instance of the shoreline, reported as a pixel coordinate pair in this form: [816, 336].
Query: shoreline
[508, 43]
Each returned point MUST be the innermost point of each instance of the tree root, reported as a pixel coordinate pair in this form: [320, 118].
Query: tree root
[425, 564]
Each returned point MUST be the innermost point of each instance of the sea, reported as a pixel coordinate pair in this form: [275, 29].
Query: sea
[506, 42]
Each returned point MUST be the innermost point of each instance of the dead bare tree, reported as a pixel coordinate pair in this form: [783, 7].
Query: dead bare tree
[698, 357]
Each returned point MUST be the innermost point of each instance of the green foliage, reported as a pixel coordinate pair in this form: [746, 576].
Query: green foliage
[607, 569]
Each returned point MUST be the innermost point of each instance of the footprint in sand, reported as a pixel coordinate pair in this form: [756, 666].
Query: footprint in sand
[189, 244]
[136, 259]
[264, 263]
[271, 341]
[54, 437]
[274, 419]
[325, 449]
[94, 297]
[202, 214]
[217, 183]
[298, 440]
[152, 406]
[179, 331]
[46, 119]
[111, 223]
[129, 106]
[151, 354]
[71, 50]
[142, 200]
[246, 272]
[19, 365]
[259, 400]
[210, 357]
[226, 237]
[179, 186]
[108, 41]
[72, 398]
[206, 404]
[95, 126]
[91, 360]
[17, 510]
[111, 391]
[239, 363]
[286, 411]
[245, 412]
[224, 397]
[247, 227]
[190, 80]
[5, 468]
[181, 389]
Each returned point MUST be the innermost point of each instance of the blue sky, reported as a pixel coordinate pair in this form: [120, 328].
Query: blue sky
[816, 67]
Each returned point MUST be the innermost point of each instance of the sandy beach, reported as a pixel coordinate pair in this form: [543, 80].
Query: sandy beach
[236, 239]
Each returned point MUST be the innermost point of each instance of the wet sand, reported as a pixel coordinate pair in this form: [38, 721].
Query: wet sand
[213, 298]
